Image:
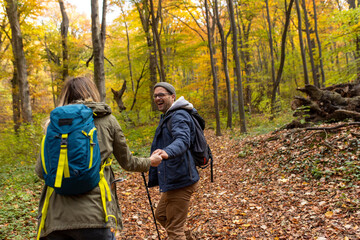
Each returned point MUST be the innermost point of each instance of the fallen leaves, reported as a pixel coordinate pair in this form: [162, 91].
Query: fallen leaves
[263, 190]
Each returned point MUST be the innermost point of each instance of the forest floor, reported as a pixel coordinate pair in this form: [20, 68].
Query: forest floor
[289, 184]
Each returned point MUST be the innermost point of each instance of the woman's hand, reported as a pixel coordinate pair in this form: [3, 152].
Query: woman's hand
[162, 153]
[155, 159]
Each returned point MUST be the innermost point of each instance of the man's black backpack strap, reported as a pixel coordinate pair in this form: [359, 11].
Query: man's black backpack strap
[200, 150]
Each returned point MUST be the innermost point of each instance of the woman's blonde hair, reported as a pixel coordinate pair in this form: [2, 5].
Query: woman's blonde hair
[78, 88]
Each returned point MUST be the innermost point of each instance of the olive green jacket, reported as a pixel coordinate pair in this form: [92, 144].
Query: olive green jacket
[86, 210]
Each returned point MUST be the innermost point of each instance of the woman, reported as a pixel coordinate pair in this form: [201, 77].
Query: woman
[75, 217]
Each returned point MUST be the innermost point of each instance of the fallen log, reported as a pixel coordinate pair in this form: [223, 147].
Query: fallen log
[331, 104]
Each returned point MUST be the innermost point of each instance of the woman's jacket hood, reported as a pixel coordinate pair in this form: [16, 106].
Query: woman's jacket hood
[100, 109]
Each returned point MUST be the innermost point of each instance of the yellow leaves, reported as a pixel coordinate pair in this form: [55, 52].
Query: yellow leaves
[329, 214]
[237, 221]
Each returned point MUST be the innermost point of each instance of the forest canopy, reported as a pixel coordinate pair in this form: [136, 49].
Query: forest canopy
[231, 59]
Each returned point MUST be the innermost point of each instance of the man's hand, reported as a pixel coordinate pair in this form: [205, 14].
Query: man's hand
[162, 153]
[155, 159]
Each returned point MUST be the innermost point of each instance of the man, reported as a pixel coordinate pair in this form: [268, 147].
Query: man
[177, 175]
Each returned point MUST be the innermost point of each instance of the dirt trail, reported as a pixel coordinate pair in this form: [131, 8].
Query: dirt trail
[254, 196]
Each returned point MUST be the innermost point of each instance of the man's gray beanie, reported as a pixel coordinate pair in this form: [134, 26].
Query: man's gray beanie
[170, 88]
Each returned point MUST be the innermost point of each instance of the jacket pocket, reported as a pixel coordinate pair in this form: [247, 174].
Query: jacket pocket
[176, 170]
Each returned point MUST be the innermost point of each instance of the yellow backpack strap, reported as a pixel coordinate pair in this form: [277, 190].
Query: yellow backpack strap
[49, 192]
[91, 135]
[105, 190]
[43, 154]
[63, 165]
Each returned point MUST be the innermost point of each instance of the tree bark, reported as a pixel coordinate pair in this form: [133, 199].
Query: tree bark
[213, 70]
[144, 13]
[354, 4]
[16, 100]
[303, 57]
[237, 69]
[244, 33]
[20, 61]
[156, 35]
[225, 64]
[128, 49]
[98, 47]
[272, 60]
[64, 36]
[118, 96]
[310, 45]
[334, 103]
[319, 46]
[282, 57]
[138, 85]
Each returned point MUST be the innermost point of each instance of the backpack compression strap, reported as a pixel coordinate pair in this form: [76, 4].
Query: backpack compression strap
[105, 190]
[90, 135]
[49, 191]
[43, 154]
[63, 165]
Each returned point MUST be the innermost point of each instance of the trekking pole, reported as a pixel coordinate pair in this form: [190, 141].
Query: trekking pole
[151, 206]
[211, 169]
[211, 165]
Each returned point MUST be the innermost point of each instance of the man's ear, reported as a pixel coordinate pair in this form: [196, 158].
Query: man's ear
[173, 97]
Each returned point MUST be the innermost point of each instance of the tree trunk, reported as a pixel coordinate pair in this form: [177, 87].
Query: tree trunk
[225, 65]
[215, 86]
[64, 35]
[20, 61]
[310, 46]
[118, 96]
[319, 46]
[98, 48]
[354, 4]
[238, 69]
[143, 10]
[271, 58]
[244, 33]
[282, 57]
[128, 49]
[138, 85]
[16, 99]
[303, 57]
[156, 35]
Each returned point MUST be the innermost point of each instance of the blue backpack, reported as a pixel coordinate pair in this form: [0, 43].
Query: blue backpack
[70, 152]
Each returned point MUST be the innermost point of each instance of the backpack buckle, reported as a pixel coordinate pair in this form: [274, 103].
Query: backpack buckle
[63, 142]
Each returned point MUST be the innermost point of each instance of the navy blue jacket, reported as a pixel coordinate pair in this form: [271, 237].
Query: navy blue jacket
[179, 169]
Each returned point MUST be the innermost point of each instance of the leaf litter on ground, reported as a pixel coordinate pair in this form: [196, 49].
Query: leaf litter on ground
[288, 184]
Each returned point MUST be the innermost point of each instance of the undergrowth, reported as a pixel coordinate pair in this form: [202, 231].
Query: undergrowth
[20, 188]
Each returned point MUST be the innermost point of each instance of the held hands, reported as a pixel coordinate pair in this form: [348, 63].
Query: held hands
[162, 153]
[157, 156]
[155, 159]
